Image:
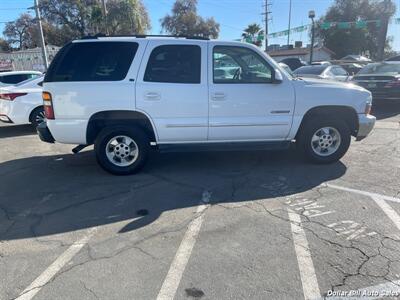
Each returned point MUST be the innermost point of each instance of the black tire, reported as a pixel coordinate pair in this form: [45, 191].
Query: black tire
[311, 127]
[108, 134]
[37, 117]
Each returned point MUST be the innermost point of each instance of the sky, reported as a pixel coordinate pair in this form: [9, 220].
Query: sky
[232, 15]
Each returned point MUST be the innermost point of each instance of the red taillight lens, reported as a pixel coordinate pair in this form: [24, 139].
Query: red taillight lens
[393, 83]
[11, 96]
[48, 106]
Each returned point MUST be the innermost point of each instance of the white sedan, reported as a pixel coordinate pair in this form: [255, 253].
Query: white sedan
[22, 103]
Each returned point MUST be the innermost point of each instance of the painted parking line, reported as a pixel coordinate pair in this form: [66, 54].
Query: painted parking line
[304, 260]
[174, 275]
[56, 266]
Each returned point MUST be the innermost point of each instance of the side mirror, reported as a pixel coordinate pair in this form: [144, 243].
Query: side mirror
[277, 77]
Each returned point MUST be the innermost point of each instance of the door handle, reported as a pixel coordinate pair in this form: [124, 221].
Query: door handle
[218, 96]
[152, 96]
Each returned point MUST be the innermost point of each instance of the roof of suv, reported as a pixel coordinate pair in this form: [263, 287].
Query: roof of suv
[143, 36]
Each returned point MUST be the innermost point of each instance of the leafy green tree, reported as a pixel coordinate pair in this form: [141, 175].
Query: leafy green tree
[184, 20]
[252, 32]
[356, 40]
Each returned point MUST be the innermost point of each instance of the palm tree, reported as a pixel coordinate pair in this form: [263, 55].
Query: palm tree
[251, 32]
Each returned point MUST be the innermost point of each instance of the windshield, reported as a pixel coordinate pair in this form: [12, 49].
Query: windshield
[380, 69]
[314, 70]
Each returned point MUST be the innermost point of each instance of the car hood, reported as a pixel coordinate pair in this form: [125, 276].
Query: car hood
[325, 83]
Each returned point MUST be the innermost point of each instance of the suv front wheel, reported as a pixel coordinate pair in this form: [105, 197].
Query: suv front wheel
[122, 150]
[324, 140]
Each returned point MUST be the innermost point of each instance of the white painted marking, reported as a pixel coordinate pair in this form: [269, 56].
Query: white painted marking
[173, 278]
[388, 210]
[55, 267]
[304, 260]
[372, 195]
[379, 291]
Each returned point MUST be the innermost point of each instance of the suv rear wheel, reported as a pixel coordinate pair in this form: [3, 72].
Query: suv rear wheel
[324, 140]
[122, 150]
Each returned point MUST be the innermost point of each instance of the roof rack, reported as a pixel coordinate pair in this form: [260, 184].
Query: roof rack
[145, 36]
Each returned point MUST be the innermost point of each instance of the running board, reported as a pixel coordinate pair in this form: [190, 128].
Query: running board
[233, 146]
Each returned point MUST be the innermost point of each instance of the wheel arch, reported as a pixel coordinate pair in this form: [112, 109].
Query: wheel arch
[347, 113]
[103, 119]
[31, 113]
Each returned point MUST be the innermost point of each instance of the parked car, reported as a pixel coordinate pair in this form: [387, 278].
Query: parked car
[285, 67]
[22, 103]
[330, 72]
[128, 94]
[14, 77]
[294, 62]
[352, 68]
[394, 58]
[382, 79]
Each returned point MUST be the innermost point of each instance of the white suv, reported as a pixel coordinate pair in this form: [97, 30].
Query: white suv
[126, 94]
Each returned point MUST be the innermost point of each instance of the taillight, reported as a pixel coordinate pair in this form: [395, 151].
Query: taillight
[394, 83]
[11, 96]
[48, 106]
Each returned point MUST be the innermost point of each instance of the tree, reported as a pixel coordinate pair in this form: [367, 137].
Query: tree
[185, 21]
[252, 33]
[356, 40]
[19, 32]
[4, 46]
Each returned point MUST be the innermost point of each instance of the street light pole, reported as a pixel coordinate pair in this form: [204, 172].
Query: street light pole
[290, 17]
[311, 15]
[43, 45]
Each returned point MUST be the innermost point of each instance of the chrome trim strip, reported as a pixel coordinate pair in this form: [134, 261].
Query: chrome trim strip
[184, 125]
[248, 124]
[280, 111]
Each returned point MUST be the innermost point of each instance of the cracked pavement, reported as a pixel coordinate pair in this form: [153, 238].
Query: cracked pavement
[50, 198]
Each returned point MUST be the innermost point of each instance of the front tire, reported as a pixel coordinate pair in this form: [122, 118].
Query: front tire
[122, 150]
[324, 140]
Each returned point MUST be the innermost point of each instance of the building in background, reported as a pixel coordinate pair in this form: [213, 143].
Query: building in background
[24, 60]
[320, 53]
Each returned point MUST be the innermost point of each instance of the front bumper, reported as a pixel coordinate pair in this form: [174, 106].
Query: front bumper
[365, 125]
[44, 133]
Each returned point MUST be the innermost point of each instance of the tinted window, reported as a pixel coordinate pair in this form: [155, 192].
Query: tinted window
[239, 65]
[314, 70]
[12, 79]
[174, 64]
[92, 61]
[381, 68]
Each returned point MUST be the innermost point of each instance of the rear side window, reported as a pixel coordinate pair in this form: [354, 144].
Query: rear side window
[174, 64]
[92, 61]
[12, 79]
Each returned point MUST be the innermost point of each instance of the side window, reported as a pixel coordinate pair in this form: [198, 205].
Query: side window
[339, 71]
[92, 61]
[232, 64]
[174, 64]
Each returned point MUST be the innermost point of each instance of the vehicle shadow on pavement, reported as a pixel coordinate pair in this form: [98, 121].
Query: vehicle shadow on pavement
[386, 110]
[42, 196]
[16, 130]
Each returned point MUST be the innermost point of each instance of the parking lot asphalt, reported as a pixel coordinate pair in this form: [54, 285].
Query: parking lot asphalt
[221, 225]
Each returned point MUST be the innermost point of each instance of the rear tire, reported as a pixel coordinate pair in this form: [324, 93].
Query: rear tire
[324, 140]
[37, 117]
[122, 150]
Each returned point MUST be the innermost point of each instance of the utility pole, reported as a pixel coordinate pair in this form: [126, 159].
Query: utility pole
[266, 13]
[383, 29]
[311, 15]
[290, 17]
[42, 43]
[103, 2]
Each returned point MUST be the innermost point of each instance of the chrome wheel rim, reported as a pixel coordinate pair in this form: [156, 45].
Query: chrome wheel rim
[326, 141]
[40, 118]
[122, 151]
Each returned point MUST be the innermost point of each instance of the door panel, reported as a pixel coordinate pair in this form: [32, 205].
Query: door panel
[244, 104]
[172, 89]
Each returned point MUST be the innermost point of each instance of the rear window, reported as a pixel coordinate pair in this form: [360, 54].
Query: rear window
[314, 70]
[92, 61]
[174, 64]
[381, 68]
[12, 79]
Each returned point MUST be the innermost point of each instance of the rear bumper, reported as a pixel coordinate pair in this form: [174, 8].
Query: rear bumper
[366, 123]
[44, 133]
